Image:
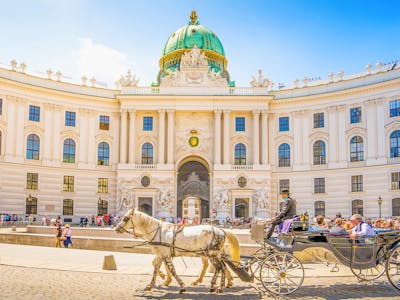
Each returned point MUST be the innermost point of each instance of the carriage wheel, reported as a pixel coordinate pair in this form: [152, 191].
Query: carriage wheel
[281, 273]
[393, 267]
[371, 273]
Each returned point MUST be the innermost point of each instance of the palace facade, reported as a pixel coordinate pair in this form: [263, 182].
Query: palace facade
[195, 145]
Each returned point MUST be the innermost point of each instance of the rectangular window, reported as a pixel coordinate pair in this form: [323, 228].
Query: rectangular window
[395, 108]
[102, 185]
[284, 184]
[355, 115]
[68, 184]
[319, 121]
[319, 185]
[240, 124]
[34, 113]
[32, 181]
[396, 181]
[148, 123]
[1, 106]
[70, 117]
[104, 123]
[284, 124]
[68, 207]
[357, 183]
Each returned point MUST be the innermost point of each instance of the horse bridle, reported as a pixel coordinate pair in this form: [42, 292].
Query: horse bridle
[126, 219]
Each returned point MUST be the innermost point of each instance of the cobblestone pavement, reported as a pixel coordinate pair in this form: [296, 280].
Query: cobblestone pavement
[32, 283]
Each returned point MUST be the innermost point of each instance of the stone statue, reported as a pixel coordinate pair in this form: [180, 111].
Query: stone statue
[260, 81]
[221, 200]
[165, 200]
[260, 198]
[128, 80]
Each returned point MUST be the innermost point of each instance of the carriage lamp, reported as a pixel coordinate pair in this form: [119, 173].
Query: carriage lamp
[380, 206]
[99, 201]
[29, 198]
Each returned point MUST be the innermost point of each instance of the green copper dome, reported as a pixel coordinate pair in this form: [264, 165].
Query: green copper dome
[193, 34]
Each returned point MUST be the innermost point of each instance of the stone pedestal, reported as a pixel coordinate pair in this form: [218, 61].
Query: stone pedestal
[109, 263]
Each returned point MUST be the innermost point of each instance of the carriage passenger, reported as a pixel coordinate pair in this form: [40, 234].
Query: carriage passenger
[338, 227]
[360, 229]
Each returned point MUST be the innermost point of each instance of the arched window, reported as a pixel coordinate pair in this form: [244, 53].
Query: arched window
[319, 208]
[103, 154]
[147, 154]
[396, 207]
[356, 149]
[240, 154]
[69, 151]
[319, 153]
[31, 205]
[284, 155]
[357, 207]
[395, 144]
[32, 147]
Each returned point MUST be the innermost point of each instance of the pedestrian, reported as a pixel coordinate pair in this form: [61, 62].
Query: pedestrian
[59, 233]
[93, 221]
[67, 233]
[85, 221]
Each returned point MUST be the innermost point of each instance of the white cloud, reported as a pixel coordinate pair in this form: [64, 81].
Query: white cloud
[104, 63]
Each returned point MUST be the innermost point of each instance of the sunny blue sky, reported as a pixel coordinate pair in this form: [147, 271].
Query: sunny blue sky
[287, 39]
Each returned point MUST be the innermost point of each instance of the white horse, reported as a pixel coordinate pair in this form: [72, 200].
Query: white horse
[168, 241]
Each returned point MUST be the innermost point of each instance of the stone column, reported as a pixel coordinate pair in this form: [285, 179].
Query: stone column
[217, 137]
[306, 117]
[256, 137]
[342, 146]
[122, 138]
[171, 138]
[48, 137]
[161, 136]
[380, 127]
[297, 139]
[10, 135]
[92, 147]
[332, 147]
[132, 146]
[19, 135]
[264, 138]
[227, 141]
[83, 133]
[57, 119]
[371, 131]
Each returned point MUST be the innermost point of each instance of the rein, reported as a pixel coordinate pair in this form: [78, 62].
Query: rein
[135, 235]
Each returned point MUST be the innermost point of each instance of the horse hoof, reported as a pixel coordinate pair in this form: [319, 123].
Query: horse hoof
[229, 285]
[147, 288]
[219, 291]
[181, 291]
[195, 283]
[167, 283]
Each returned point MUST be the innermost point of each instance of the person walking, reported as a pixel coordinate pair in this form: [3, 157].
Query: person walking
[59, 233]
[67, 234]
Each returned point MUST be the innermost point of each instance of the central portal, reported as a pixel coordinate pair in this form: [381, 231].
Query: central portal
[193, 191]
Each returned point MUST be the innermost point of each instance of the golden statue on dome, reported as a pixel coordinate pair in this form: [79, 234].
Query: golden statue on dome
[193, 17]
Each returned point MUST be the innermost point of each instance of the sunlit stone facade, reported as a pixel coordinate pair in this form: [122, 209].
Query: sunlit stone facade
[194, 145]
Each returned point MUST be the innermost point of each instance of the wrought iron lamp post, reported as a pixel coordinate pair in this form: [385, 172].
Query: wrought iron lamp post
[380, 206]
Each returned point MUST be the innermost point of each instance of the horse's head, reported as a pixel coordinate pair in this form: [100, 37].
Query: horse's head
[126, 222]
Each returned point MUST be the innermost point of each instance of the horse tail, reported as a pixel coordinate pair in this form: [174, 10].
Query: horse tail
[234, 247]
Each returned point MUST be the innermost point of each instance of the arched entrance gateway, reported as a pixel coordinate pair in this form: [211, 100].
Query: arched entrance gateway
[193, 190]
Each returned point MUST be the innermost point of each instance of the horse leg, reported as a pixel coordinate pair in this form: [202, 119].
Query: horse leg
[223, 271]
[168, 263]
[169, 276]
[229, 277]
[157, 264]
[160, 273]
[204, 260]
[216, 265]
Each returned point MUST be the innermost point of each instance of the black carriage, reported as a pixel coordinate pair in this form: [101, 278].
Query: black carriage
[279, 272]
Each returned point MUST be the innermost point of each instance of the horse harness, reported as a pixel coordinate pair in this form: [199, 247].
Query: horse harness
[216, 240]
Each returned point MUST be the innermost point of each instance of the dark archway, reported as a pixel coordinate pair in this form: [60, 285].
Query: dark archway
[194, 180]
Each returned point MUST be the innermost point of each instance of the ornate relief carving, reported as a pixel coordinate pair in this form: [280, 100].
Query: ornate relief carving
[165, 200]
[260, 198]
[221, 199]
[194, 71]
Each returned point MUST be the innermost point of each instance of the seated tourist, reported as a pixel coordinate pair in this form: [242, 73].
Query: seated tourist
[338, 227]
[321, 224]
[360, 229]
